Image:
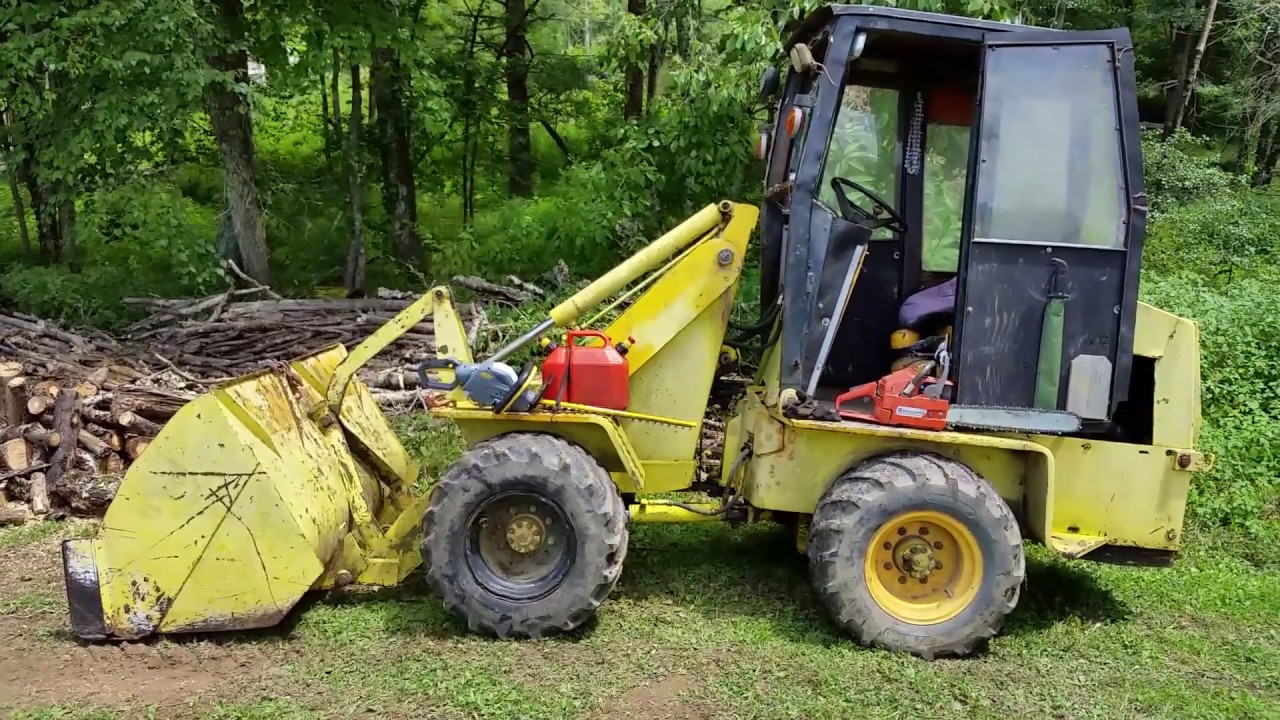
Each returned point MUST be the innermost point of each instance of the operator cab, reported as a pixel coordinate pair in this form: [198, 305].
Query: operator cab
[962, 177]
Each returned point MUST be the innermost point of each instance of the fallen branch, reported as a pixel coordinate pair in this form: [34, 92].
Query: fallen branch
[484, 287]
[235, 270]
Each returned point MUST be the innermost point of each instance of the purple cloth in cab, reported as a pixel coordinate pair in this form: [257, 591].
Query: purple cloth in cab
[937, 299]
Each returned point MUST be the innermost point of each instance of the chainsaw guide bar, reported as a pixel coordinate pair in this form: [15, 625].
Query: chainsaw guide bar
[1012, 419]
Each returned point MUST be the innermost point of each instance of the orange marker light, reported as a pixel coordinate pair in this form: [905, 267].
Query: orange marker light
[795, 120]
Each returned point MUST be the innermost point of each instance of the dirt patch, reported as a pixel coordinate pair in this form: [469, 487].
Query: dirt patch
[42, 663]
[660, 700]
[120, 674]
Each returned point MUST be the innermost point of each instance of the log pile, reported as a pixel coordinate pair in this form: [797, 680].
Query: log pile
[68, 431]
[210, 339]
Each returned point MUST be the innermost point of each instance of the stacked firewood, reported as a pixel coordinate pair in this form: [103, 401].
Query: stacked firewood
[210, 339]
[67, 433]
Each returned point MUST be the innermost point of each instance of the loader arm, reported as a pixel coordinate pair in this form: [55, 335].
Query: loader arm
[451, 340]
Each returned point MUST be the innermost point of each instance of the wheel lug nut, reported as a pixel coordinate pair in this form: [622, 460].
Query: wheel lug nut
[902, 579]
[937, 565]
[937, 546]
[924, 531]
[888, 566]
[888, 546]
[902, 531]
[924, 580]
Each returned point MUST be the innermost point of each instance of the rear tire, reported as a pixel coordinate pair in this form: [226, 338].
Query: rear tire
[524, 536]
[886, 530]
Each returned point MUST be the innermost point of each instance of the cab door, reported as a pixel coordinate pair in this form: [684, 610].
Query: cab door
[1055, 215]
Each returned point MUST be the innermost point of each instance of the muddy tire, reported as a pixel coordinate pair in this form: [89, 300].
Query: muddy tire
[524, 536]
[916, 553]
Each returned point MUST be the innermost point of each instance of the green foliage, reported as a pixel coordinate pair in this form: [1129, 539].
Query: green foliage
[95, 89]
[1241, 407]
[576, 222]
[145, 240]
[1182, 169]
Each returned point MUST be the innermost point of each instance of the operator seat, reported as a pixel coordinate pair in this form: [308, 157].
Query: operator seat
[924, 319]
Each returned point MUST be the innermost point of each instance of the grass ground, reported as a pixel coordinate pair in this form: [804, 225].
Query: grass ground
[707, 622]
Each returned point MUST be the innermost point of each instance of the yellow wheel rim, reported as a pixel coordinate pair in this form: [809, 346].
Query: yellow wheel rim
[923, 567]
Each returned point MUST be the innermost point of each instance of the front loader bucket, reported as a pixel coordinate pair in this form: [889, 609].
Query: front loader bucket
[252, 495]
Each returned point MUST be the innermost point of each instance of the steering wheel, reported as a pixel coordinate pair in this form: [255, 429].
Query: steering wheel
[856, 214]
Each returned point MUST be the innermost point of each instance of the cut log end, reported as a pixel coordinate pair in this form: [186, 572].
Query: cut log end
[134, 446]
[13, 514]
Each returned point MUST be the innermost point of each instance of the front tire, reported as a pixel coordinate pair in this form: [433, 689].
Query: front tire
[524, 536]
[916, 553]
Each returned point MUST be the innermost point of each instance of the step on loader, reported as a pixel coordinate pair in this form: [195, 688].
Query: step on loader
[957, 198]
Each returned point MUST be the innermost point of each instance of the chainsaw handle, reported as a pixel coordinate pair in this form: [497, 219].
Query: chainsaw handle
[862, 391]
[914, 385]
[437, 364]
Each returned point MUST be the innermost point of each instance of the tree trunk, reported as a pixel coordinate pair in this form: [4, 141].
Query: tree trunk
[353, 278]
[558, 140]
[229, 115]
[684, 36]
[1182, 59]
[20, 214]
[1268, 154]
[399, 191]
[326, 129]
[15, 191]
[67, 228]
[655, 66]
[47, 233]
[635, 74]
[516, 68]
[1189, 85]
[372, 115]
[471, 121]
[335, 89]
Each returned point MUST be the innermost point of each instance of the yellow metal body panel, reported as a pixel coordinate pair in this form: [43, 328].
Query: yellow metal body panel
[1131, 495]
[794, 461]
[1174, 344]
[1073, 495]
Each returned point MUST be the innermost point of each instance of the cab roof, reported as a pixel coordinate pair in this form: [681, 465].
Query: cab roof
[916, 22]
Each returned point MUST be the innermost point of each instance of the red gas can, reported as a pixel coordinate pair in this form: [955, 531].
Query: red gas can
[586, 374]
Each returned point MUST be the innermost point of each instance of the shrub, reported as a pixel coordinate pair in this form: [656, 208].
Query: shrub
[1182, 170]
[1222, 238]
[1239, 375]
[143, 240]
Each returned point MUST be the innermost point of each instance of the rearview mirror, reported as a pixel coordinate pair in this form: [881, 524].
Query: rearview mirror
[768, 82]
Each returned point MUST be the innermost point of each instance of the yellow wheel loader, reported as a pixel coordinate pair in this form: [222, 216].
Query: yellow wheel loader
[953, 360]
